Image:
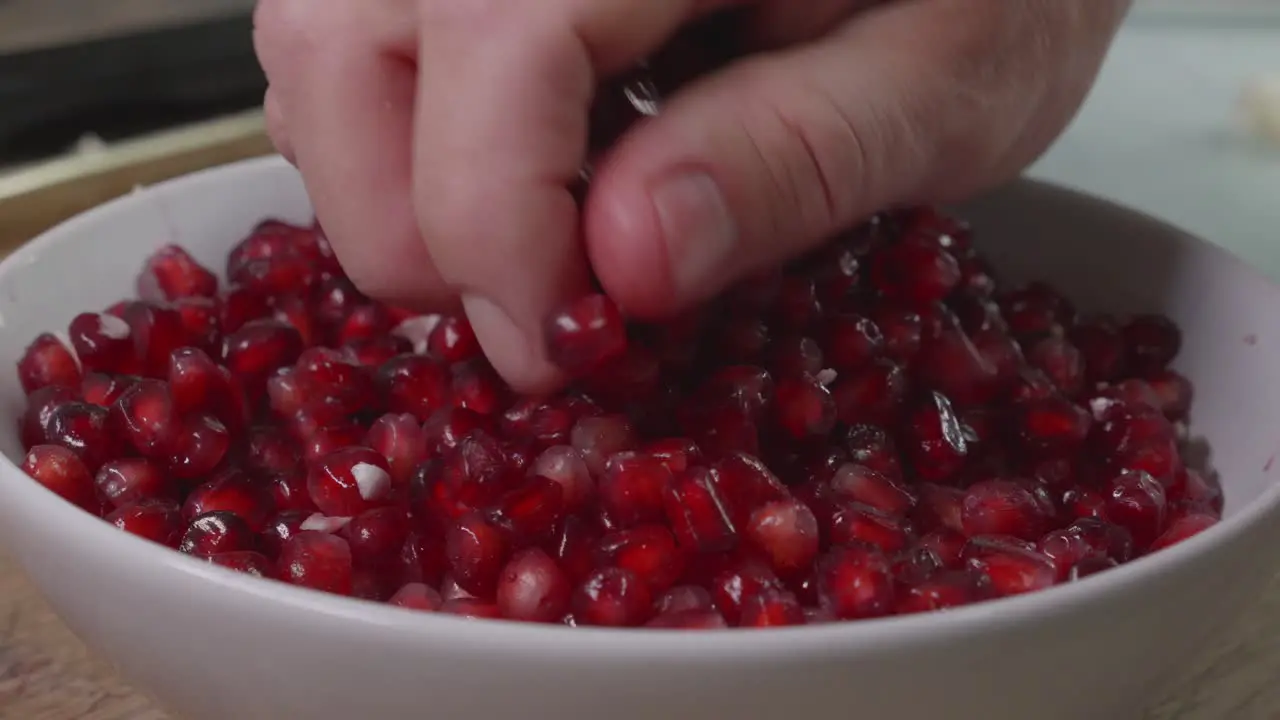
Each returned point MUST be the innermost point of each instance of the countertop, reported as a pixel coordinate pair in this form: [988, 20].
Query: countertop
[1158, 133]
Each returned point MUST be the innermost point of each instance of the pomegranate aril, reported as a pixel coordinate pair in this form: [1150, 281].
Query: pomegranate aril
[564, 465]
[1061, 362]
[1004, 507]
[417, 596]
[860, 483]
[125, 481]
[688, 620]
[1151, 343]
[62, 471]
[201, 322]
[649, 551]
[1101, 347]
[1011, 567]
[422, 558]
[1173, 393]
[317, 560]
[855, 582]
[1051, 427]
[376, 537]
[217, 532]
[198, 445]
[171, 273]
[874, 394]
[452, 340]
[914, 272]
[804, 407]
[47, 363]
[1083, 539]
[683, 598]
[104, 390]
[533, 588]
[585, 334]
[476, 550]
[853, 523]
[1035, 311]
[159, 521]
[234, 492]
[1137, 502]
[414, 384]
[1193, 491]
[698, 513]
[103, 343]
[247, 562]
[349, 481]
[1182, 528]
[471, 608]
[633, 487]
[259, 348]
[938, 446]
[770, 607]
[795, 355]
[786, 533]
[399, 439]
[953, 366]
[85, 430]
[279, 529]
[239, 306]
[157, 331]
[529, 513]
[942, 591]
[850, 342]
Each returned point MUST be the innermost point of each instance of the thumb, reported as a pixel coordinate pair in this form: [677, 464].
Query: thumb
[769, 157]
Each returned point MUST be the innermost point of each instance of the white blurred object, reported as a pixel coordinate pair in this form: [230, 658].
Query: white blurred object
[1261, 103]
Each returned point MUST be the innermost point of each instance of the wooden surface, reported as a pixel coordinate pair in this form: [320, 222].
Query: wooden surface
[32, 24]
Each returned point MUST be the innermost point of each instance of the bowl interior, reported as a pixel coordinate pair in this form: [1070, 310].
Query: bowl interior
[1103, 257]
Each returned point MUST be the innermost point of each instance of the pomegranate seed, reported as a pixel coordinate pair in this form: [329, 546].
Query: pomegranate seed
[1101, 347]
[399, 439]
[612, 597]
[476, 551]
[1151, 343]
[234, 492]
[1051, 426]
[786, 531]
[1035, 311]
[533, 588]
[855, 582]
[61, 470]
[1137, 502]
[564, 465]
[201, 322]
[1003, 507]
[471, 608]
[414, 384]
[698, 513]
[47, 363]
[648, 551]
[104, 343]
[861, 484]
[853, 523]
[316, 560]
[156, 520]
[585, 334]
[259, 348]
[946, 590]
[770, 607]
[217, 532]
[104, 390]
[938, 444]
[952, 365]
[350, 481]
[1013, 569]
[633, 487]
[1061, 362]
[1182, 528]
[171, 273]
[805, 408]
[1083, 539]
[157, 331]
[247, 562]
[125, 481]
[377, 537]
[1173, 393]
[688, 620]
[83, 429]
[916, 273]
[417, 596]
[452, 340]
[874, 394]
[531, 512]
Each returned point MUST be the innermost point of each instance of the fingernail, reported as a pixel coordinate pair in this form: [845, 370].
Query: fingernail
[507, 346]
[696, 224]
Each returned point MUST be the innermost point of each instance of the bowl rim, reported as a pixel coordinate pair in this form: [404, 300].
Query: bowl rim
[538, 640]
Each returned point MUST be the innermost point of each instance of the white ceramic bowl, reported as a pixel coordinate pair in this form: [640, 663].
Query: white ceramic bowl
[214, 644]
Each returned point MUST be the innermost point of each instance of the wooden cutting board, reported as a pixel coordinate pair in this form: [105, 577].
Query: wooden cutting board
[47, 674]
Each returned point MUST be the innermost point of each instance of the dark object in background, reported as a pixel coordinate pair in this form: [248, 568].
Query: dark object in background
[138, 76]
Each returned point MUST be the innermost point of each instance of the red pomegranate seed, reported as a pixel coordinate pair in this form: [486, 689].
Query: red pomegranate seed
[1061, 362]
[1173, 393]
[585, 334]
[171, 273]
[104, 390]
[239, 306]
[125, 481]
[850, 341]
[85, 430]
[1083, 539]
[855, 582]
[349, 481]
[946, 590]
[648, 551]
[612, 597]
[1035, 311]
[377, 537]
[1012, 568]
[422, 558]
[1137, 502]
[1051, 427]
[1101, 347]
[698, 513]
[1182, 528]
[786, 532]
[414, 384]
[688, 620]
[871, 446]
[471, 608]
[452, 340]
[259, 348]
[1151, 343]
[954, 367]
[633, 487]
[854, 523]
[533, 588]
[157, 331]
[938, 446]
[476, 550]
[1003, 507]
[745, 387]
[201, 322]
[804, 407]
[531, 512]
[156, 520]
[914, 272]
[1197, 493]
[62, 471]
[399, 439]
[316, 560]
[795, 355]
[564, 465]
[771, 607]
[417, 596]
[280, 528]
[47, 362]
[217, 532]
[860, 483]
[874, 394]
[234, 492]
[247, 562]
[104, 343]
[947, 546]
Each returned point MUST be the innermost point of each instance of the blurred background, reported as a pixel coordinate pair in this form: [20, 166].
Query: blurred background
[116, 86]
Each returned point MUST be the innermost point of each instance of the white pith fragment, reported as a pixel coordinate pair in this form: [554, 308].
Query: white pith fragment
[112, 327]
[324, 523]
[372, 481]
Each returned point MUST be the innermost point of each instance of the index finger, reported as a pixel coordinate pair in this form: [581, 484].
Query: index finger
[501, 128]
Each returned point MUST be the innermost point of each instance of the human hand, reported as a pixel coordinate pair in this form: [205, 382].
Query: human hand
[438, 139]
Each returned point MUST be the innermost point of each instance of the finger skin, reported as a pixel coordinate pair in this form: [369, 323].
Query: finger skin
[912, 101]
